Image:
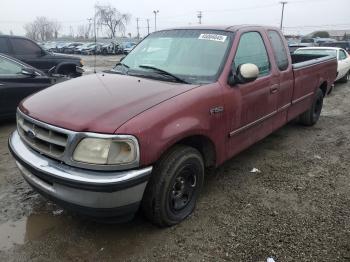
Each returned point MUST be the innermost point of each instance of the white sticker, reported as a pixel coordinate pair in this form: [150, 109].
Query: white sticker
[213, 37]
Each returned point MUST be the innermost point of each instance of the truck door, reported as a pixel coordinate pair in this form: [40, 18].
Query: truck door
[283, 64]
[251, 107]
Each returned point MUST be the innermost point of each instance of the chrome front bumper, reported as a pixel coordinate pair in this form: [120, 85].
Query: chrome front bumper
[81, 188]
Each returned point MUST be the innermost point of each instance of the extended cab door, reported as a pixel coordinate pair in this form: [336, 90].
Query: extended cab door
[251, 107]
[283, 65]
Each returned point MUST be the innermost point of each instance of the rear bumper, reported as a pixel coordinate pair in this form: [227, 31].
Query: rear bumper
[93, 193]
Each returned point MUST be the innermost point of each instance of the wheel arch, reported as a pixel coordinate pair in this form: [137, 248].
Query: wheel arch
[202, 143]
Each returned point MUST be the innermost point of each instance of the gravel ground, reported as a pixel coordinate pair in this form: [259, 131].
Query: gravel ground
[296, 209]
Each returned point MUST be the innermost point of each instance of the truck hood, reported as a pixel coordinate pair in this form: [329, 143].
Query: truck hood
[100, 102]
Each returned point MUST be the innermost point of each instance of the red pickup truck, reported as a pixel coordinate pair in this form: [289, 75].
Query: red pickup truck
[143, 133]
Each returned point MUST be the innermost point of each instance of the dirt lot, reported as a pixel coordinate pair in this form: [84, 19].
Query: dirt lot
[296, 209]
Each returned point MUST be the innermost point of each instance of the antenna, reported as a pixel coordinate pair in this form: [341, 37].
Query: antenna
[95, 41]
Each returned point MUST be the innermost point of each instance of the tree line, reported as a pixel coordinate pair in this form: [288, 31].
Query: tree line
[106, 17]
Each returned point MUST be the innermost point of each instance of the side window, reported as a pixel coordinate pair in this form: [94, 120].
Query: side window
[279, 50]
[8, 67]
[25, 47]
[4, 48]
[251, 49]
[342, 55]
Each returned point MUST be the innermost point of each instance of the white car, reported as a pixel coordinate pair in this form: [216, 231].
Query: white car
[341, 55]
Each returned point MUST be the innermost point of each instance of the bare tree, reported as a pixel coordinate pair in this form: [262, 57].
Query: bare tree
[56, 26]
[42, 29]
[84, 31]
[111, 18]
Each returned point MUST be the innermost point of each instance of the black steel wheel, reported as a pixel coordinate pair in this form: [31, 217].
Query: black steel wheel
[174, 186]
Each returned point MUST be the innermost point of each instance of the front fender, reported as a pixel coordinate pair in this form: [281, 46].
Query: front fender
[64, 64]
[161, 127]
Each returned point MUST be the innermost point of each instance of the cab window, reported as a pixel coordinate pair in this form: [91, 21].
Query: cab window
[342, 55]
[279, 50]
[25, 47]
[8, 67]
[251, 49]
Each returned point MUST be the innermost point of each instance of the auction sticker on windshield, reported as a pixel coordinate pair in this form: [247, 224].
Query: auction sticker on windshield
[213, 37]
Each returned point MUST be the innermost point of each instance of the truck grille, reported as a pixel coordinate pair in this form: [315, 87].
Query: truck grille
[41, 138]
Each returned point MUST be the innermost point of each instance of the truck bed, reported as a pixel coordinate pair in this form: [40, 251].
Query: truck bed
[310, 72]
[301, 60]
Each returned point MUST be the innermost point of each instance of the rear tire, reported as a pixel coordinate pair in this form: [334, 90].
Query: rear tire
[173, 189]
[311, 116]
[345, 78]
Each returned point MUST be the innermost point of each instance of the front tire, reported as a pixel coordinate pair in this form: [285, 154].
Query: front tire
[311, 116]
[172, 192]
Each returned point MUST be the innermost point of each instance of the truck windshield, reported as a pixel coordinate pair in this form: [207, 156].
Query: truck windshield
[192, 56]
[316, 52]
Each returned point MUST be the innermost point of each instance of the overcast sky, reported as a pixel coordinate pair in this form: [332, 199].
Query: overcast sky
[301, 16]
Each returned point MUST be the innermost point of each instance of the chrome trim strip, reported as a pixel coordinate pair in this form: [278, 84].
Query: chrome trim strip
[75, 137]
[253, 123]
[61, 171]
[260, 120]
[284, 107]
[302, 98]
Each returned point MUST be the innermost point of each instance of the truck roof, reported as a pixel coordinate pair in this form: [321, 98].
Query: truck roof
[229, 28]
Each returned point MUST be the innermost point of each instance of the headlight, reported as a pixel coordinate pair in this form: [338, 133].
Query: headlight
[81, 62]
[105, 151]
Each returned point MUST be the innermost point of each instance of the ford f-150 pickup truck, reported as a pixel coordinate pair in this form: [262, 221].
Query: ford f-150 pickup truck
[143, 133]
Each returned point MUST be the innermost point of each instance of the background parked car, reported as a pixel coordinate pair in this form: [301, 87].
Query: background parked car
[78, 49]
[17, 81]
[293, 47]
[343, 58]
[341, 44]
[92, 49]
[69, 49]
[111, 49]
[31, 53]
[128, 46]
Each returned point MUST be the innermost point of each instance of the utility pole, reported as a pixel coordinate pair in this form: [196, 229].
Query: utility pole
[138, 28]
[199, 16]
[155, 19]
[87, 34]
[147, 26]
[283, 3]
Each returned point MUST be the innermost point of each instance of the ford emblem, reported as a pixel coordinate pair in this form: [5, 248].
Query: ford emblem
[31, 134]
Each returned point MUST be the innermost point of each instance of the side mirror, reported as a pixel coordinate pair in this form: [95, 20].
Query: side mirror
[245, 73]
[29, 72]
[51, 71]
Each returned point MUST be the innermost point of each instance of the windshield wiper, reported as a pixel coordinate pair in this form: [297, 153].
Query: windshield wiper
[163, 72]
[124, 66]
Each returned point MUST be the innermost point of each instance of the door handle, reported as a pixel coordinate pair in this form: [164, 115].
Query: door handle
[274, 89]
[1, 84]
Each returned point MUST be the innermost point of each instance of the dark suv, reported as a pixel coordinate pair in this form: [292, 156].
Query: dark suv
[31, 53]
